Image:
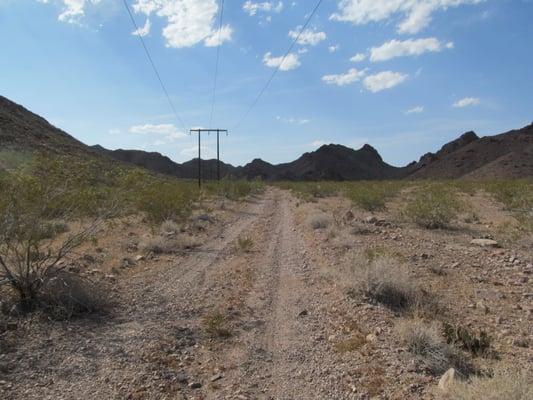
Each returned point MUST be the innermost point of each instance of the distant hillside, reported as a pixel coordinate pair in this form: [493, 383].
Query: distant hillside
[23, 130]
[509, 155]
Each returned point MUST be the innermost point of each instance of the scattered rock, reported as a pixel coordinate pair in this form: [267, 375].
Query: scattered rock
[447, 380]
[521, 342]
[371, 220]
[139, 258]
[303, 313]
[216, 377]
[127, 263]
[195, 385]
[485, 243]
[370, 338]
[349, 215]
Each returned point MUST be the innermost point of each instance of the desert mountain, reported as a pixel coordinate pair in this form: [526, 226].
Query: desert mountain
[508, 155]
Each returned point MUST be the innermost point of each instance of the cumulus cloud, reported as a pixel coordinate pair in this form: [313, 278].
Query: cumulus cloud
[143, 31]
[294, 121]
[333, 48]
[291, 61]
[188, 22]
[353, 75]
[415, 110]
[252, 8]
[73, 10]
[164, 132]
[383, 80]
[466, 102]
[411, 47]
[414, 15]
[308, 37]
[358, 57]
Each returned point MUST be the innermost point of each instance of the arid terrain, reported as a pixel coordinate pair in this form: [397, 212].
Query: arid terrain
[261, 302]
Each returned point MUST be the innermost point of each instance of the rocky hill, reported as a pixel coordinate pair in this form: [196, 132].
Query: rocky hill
[508, 155]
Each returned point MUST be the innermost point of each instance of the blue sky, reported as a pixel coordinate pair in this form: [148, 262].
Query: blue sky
[405, 76]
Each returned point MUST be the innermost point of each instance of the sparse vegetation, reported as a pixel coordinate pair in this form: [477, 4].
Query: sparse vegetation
[319, 221]
[372, 196]
[432, 206]
[216, 325]
[244, 244]
[386, 281]
[504, 384]
[464, 337]
[425, 341]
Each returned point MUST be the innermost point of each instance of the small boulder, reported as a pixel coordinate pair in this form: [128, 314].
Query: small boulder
[371, 220]
[447, 380]
[485, 243]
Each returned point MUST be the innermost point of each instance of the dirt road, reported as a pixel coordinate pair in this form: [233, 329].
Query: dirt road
[156, 345]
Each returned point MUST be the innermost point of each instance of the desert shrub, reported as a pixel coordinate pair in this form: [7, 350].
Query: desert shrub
[65, 295]
[216, 325]
[311, 190]
[517, 197]
[432, 206]
[169, 227]
[425, 341]
[319, 221]
[371, 196]
[504, 384]
[386, 281]
[169, 244]
[166, 200]
[234, 189]
[244, 244]
[467, 339]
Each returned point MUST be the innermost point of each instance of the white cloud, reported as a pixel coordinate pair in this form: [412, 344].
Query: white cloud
[467, 101]
[219, 37]
[318, 143]
[308, 37]
[333, 48]
[294, 121]
[193, 152]
[358, 57]
[411, 47]
[268, 6]
[73, 10]
[291, 61]
[188, 22]
[383, 80]
[144, 31]
[414, 14]
[415, 110]
[353, 75]
[165, 132]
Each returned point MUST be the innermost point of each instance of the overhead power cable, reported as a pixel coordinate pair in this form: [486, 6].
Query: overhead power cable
[150, 59]
[216, 63]
[269, 81]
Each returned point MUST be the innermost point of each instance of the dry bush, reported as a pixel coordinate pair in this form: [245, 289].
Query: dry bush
[479, 344]
[504, 385]
[216, 325]
[319, 221]
[65, 295]
[169, 244]
[169, 227]
[386, 281]
[425, 341]
[244, 245]
[433, 206]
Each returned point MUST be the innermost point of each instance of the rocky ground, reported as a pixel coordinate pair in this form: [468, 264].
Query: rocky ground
[260, 305]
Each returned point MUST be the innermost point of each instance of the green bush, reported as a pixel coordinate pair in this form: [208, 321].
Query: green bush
[372, 196]
[433, 206]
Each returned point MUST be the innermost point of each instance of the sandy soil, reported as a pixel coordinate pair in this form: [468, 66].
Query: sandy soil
[286, 311]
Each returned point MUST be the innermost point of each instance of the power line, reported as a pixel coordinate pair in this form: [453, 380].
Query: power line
[263, 90]
[154, 67]
[216, 63]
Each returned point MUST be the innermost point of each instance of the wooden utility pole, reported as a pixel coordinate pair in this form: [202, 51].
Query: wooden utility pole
[199, 132]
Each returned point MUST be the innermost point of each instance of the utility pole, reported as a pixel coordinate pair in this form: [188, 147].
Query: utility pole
[199, 132]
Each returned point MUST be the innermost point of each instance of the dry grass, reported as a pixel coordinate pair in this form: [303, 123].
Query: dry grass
[65, 295]
[170, 244]
[319, 221]
[426, 343]
[216, 325]
[244, 244]
[386, 281]
[504, 385]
